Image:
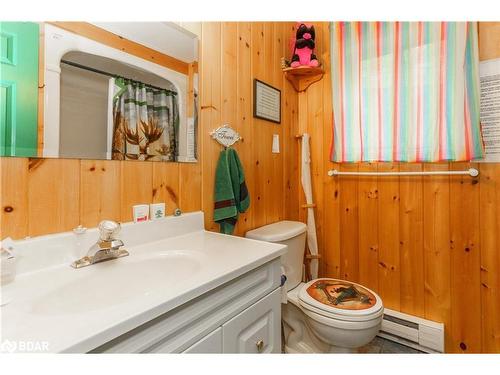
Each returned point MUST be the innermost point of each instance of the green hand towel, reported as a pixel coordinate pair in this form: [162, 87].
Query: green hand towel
[231, 193]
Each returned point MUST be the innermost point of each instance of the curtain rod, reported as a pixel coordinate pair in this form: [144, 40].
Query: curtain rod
[472, 172]
[80, 66]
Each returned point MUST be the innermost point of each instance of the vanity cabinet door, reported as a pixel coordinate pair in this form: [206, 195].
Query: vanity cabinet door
[211, 343]
[256, 329]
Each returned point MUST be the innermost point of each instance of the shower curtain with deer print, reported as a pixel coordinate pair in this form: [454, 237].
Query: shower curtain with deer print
[145, 122]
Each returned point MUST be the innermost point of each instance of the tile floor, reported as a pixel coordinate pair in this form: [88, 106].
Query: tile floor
[383, 346]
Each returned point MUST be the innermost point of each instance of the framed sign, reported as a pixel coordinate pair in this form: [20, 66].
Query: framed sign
[266, 102]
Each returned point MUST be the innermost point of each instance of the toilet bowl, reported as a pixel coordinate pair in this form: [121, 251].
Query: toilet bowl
[329, 328]
[324, 315]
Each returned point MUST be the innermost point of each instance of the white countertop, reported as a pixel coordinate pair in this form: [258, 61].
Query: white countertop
[76, 310]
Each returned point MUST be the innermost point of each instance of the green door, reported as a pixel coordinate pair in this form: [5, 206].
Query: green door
[18, 88]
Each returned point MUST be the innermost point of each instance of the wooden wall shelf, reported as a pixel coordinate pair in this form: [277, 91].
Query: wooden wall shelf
[303, 76]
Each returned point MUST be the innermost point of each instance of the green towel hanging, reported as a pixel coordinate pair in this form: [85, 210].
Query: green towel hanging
[230, 193]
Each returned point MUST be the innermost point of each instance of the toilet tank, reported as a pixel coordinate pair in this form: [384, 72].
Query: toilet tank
[292, 234]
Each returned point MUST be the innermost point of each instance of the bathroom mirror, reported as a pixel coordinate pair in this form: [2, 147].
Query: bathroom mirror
[111, 91]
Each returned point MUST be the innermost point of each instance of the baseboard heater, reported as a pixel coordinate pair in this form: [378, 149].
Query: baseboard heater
[421, 334]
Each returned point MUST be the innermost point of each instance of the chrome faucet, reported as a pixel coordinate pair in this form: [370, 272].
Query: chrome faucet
[107, 247]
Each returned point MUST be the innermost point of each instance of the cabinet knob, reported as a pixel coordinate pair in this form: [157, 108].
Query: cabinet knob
[260, 345]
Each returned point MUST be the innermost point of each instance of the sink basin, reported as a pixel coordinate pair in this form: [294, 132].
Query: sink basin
[107, 284]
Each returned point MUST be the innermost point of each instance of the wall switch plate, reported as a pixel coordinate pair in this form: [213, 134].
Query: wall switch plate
[276, 143]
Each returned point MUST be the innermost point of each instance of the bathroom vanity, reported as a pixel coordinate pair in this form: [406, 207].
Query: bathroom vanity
[181, 290]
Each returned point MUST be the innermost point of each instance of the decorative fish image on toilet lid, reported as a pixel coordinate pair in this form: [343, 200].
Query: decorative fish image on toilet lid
[341, 294]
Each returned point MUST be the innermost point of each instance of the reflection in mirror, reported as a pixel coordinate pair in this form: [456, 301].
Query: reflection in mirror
[130, 114]
[115, 91]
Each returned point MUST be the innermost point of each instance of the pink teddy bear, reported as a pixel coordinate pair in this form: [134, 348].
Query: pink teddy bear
[303, 52]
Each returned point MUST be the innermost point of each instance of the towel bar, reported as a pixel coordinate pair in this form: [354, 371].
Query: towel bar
[473, 172]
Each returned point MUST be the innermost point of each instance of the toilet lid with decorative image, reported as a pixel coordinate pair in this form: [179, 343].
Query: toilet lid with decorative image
[340, 297]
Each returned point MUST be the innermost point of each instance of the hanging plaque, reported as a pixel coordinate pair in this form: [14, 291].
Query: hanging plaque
[225, 135]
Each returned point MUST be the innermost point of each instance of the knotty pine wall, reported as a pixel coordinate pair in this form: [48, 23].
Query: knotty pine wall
[40, 196]
[429, 246]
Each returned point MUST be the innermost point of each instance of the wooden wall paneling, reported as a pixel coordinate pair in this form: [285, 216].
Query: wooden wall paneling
[236, 99]
[53, 195]
[276, 79]
[331, 197]
[281, 35]
[411, 230]
[465, 262]
[285, 140]
[388, 237]
[259, 133]
[229, 81]
[303, 118]
[290, 151]
[211, 72]
[229, 78]
[289, 145]
[190, 186]
[437, 257]
[14, 197]
[267, 129]
[489, 208]
[317, 149]
[244, 115]
[349, 219]
[331, 226]
[368, 227]
[100, 193]
[315, 130]
[166, 185]
[319, 159]
[136, 186]
[293, 181]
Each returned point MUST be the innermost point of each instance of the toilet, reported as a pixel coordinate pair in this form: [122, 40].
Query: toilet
[323, 315]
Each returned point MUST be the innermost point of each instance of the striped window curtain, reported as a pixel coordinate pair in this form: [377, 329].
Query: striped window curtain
[405, 91]
[145, 122]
